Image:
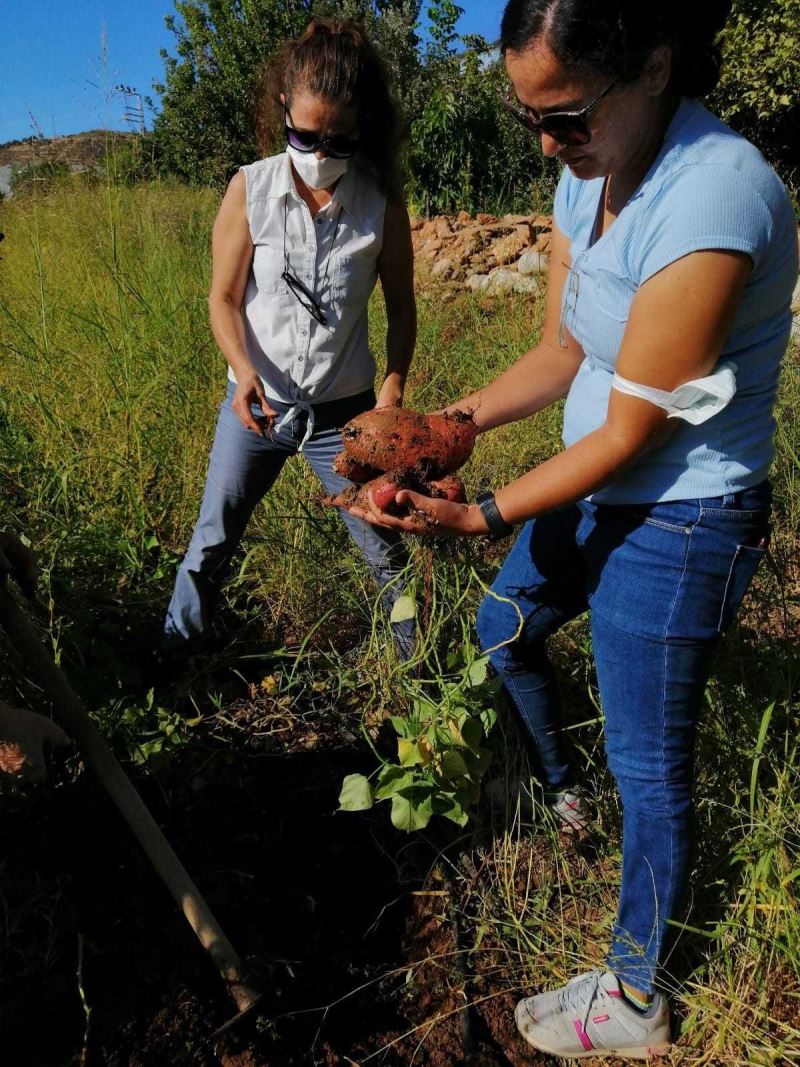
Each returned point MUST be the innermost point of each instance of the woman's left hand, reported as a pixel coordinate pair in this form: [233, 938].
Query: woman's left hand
[429, 517]
[391, 393]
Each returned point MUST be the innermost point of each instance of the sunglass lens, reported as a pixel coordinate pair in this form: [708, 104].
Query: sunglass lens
[569, 130]
[341, 147]
[302, 140]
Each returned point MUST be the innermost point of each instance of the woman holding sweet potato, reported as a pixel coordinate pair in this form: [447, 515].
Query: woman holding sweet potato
[673, 261]
[298, 244]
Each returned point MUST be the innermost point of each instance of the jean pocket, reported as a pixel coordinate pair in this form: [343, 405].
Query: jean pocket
[743, 567]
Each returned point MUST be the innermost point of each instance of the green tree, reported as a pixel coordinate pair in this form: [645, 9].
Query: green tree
[204, 129]
[759, 93]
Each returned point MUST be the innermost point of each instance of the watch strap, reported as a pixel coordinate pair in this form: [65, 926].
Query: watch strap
[498, 527]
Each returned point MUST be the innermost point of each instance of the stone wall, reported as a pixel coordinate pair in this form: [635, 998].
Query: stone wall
[484, 253]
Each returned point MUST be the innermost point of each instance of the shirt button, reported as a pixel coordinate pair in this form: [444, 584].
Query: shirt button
[320, 222]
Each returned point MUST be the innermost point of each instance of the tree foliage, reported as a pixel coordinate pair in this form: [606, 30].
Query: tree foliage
[463, 150]
[759, 94]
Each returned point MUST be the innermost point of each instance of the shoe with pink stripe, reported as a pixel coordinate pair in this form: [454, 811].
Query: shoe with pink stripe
[590, 1017]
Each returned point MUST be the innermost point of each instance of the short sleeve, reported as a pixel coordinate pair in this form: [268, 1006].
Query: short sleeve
[564, 204]
[699, 208]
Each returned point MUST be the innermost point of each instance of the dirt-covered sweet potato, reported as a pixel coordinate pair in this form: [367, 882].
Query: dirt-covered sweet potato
[383, 488]
[450, 487]
[349, 467]
[401, 439]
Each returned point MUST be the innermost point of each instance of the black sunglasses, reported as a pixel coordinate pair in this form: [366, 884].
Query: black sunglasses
[337, 147]
[566, 127]
[305, 296]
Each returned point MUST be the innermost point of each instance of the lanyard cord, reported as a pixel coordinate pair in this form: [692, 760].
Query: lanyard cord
[286, 263]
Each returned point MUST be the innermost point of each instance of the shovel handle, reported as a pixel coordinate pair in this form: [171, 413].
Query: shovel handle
[74, 718]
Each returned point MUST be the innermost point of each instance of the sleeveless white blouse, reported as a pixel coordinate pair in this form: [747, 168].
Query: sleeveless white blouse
[300, 361]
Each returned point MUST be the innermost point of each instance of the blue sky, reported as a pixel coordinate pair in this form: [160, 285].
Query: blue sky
[55, 70]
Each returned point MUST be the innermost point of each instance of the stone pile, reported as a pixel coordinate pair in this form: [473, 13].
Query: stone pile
[484, 253]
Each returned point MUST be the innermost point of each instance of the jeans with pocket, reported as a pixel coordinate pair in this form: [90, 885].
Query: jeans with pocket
[662, 582]
[242, 468]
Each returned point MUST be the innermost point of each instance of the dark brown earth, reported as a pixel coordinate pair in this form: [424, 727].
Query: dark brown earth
[347, 922]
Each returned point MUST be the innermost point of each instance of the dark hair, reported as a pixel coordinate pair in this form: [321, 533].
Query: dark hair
[334, 58]
[615, 37]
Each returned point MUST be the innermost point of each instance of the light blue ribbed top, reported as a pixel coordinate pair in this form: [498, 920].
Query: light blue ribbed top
[708, 188]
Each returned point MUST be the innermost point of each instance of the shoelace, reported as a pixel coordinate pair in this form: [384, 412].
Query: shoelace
[581, 995]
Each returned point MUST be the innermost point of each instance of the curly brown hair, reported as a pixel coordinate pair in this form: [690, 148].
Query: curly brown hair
[334, 58]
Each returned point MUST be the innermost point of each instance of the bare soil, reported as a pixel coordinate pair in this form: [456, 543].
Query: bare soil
[350, 933]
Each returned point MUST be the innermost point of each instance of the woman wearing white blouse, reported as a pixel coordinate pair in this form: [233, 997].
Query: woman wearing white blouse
[300, 239]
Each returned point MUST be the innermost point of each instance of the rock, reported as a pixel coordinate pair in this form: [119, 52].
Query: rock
[427, 230]
[463, 216]
[509, 281]
[428, 249]
[477, 282]
[469, 243]
[796, 299]
[416, 223]
[442, 268]
[507, 249]
[532, 262]
[486, 220]
[443, 228]
[543, 242]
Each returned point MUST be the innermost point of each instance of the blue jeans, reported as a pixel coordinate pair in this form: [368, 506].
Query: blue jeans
[241, 469]
[662, 581]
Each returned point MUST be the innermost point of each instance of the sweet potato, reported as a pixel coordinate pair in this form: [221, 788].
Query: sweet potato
[349, 467]
[457, 432]
[384, 489]
[449, 487]
[398, 438]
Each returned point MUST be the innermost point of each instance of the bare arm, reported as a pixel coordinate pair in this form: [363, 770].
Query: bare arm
[396, 272]
[232, 257]
[544, 373]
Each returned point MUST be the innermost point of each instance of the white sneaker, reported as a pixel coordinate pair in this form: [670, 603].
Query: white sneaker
[570, 807]
[590, 1017]
[567, 805]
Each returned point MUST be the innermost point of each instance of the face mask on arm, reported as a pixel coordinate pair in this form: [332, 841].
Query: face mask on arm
[694, 401]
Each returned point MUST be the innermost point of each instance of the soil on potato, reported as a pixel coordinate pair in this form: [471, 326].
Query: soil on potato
[337, 914]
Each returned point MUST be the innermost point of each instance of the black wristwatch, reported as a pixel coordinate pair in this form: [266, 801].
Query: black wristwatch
[498, 527]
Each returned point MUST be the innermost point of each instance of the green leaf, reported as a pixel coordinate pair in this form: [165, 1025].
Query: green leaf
[477, 671]
[408, 753]
[391, 780]
[450, 808]
[411, 814]
[453, 765]
[401, 725]
[472, 733]
[356, 794]
[403, 609]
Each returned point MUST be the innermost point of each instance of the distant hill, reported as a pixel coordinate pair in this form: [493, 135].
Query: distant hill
[78, 150]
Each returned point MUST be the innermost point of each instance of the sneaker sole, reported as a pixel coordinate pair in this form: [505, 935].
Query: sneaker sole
[643, 1052]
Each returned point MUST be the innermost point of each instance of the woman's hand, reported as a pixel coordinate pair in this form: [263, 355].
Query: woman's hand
[429, 517]
[391, 393]
[24, 738]
[250, 391]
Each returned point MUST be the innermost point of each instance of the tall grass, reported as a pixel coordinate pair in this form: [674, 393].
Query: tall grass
[109, 384]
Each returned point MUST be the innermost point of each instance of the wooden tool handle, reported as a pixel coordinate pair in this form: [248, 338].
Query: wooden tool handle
[71, 714]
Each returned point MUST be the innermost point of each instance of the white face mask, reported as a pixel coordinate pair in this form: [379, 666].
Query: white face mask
[317, 173]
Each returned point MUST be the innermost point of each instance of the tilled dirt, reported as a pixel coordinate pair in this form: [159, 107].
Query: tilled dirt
[338, 914]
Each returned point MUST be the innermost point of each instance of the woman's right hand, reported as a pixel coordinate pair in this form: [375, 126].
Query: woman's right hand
[250, 391]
